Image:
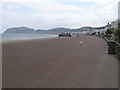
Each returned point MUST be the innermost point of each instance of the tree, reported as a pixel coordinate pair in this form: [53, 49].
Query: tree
[109, 32]
[113, 33]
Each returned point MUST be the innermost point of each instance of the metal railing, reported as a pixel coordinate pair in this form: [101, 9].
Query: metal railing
[117, 46]
[108, 40]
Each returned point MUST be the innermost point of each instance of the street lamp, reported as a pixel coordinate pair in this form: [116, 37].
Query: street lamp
[119, 21]
[118, 30]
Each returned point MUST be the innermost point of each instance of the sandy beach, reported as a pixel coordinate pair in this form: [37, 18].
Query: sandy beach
[73, 62]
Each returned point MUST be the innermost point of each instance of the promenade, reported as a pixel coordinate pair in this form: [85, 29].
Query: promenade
[73, 62]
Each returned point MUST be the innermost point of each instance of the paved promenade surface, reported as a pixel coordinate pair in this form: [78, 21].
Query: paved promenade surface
[77, 62]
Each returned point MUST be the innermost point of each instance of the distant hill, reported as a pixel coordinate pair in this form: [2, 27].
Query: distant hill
[20, 30]
[54, 30]
[81, 29]
[68, 29]
[60, 30]
[29, 30]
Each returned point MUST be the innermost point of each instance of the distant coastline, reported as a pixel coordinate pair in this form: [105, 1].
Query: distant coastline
[49, 31]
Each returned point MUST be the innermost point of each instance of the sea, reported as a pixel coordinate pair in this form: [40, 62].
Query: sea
[23, 36]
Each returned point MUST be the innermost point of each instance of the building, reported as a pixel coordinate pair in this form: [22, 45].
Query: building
[98, 30]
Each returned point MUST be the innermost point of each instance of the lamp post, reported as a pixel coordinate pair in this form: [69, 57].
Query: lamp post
[118, 30]
[119, 21]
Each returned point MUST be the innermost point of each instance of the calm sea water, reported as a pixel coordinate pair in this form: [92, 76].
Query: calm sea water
[14, 37]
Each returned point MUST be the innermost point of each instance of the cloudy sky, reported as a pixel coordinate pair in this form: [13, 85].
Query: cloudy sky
[47, 14]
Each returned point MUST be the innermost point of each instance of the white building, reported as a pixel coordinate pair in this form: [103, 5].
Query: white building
[100, 30]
